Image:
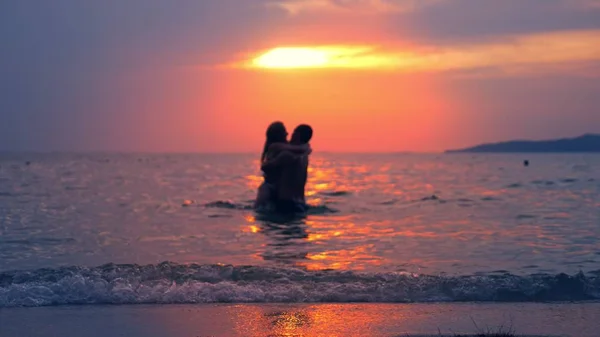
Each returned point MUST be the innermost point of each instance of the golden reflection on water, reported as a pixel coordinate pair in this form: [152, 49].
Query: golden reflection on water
[253, 181]
[318, 247]
[311, 244]
[423, 216]
[251, 227]
[339, 243]
[354, 259]
[321, 320]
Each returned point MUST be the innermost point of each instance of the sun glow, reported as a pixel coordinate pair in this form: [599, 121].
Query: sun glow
[317, 57]
[292, 58]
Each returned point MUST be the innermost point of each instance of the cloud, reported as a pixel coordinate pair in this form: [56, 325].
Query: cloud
[586, 3]
[452, 20]
[466, 20]
[514, 55]
[349, 6]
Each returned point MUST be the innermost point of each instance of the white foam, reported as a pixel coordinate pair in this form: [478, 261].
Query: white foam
[169, 283]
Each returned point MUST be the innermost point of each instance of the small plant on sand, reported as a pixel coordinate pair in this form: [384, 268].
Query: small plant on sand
[501, 331]
[490, 334]
[485, 334]
[481, 334]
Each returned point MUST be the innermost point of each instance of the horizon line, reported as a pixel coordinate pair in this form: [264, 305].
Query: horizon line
[199, 152]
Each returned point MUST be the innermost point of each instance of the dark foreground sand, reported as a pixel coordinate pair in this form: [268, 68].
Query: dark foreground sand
[327, 320]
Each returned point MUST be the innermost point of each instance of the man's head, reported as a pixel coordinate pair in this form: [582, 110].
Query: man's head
[302, 134]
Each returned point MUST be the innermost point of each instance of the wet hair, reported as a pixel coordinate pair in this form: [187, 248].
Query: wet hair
[304, 133]
[276, 133]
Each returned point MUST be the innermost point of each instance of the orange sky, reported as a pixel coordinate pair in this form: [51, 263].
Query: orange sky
[372, 75]
[348, 110]
[393, 97]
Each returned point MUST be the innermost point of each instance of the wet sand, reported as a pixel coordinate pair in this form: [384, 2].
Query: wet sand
[250, 320]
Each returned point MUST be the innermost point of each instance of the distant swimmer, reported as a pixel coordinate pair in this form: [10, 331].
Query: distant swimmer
[526, 163]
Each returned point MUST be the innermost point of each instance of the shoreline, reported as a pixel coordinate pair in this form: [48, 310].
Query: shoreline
[249, 320]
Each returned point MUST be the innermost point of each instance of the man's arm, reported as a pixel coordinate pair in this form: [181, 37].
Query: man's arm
[297, 149]
[282, 159]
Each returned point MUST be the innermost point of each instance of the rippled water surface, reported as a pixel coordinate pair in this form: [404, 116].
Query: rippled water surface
[390, 214]
[447, 213]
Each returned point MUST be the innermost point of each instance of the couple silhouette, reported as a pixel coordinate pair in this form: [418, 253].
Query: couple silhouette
[285, 170]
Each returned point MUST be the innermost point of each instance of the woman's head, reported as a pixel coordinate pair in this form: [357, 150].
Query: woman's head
[276, 133]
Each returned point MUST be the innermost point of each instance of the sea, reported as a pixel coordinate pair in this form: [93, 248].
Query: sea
[381, 228]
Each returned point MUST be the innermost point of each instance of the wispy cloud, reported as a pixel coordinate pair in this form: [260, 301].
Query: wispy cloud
[531, 50]
[586, 3]
[518, 54]
[350, 6]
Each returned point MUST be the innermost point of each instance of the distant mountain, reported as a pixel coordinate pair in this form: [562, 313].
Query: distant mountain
[585, 143]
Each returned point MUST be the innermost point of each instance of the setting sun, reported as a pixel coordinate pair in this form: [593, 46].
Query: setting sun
[320, 57]
[292, 58]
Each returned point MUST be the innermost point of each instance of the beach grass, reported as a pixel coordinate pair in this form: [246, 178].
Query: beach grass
[501, 334]
[482, 334]
[501, 331]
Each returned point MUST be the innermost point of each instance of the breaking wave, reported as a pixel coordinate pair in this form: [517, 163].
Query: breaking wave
[170, 283]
